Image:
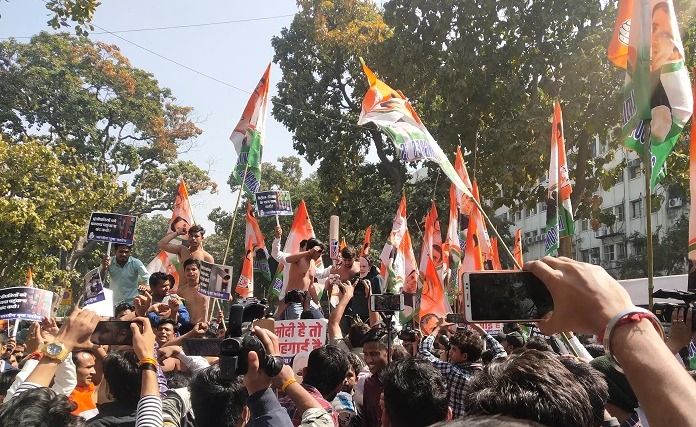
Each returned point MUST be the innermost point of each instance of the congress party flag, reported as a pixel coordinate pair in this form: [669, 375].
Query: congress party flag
[248, 138]
[433, 300]
[245, 284]
[394, 115]
[657, 89]
[253, 234]
[366, 243]
[182, 217]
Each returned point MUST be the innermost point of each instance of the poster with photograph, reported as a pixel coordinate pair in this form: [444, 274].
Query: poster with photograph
[111, 227]
[94, 288]
[276, 202]
[215, 280]
[25, 303]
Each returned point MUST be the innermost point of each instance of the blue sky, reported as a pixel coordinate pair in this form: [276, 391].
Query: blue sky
[235, 53]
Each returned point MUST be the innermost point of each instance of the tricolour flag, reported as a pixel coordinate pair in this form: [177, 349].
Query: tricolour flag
[248, 135]
[559, 216]
[432, 241]
[164, 263]
[245, 284]
[182, 217]
[394, 115]
[517, 251]
[433, 300]
[657, 88]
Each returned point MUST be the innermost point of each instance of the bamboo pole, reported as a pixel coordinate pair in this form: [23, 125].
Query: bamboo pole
[234, 214]
[647, 161]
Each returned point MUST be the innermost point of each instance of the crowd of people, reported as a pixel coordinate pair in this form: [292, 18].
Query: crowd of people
[369, 373]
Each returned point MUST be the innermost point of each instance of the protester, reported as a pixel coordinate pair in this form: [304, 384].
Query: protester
[464, 362]
[376, 358]
[300, 279]
[125, 273]
[197, 303]
[195, 245]
[85, 392]
[160, 284]
[512, 341]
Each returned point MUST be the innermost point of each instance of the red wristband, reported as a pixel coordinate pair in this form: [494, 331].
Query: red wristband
[629, 318]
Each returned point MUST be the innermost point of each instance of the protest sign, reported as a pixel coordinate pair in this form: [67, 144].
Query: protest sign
[94, 288]
[295, 336]
[66, 297]
[269, 203]
[111, 227]
[25, 303]
[105, 307]
[492, 328]
[215, 280]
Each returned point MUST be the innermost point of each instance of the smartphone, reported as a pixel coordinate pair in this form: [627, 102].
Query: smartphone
[386, 302]
[455, 318]
[113, 332]
[505, 296]
[201, 346]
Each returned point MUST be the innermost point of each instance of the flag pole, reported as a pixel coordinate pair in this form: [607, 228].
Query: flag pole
[234, 214]
[500, 239]
[647, 161]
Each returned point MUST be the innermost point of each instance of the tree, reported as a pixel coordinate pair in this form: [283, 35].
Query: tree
[669, 253]
[47, 196]
[69, 92]
[80, 12]
[148, 231]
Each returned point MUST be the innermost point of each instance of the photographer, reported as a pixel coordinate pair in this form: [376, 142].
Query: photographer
[464, 360]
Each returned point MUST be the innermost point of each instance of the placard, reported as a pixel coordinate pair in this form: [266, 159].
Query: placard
[94, 288]
[276, 202]
[104, 308]
[25, 303]
[295, 336]
[215, 280]
[492, 328]
[111, 227]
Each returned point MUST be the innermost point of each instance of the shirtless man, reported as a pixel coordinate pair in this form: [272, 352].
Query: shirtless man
[189, 291]
[301, 276]
[194, 250]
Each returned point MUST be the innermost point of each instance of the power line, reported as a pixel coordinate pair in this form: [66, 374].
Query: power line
[173, 27]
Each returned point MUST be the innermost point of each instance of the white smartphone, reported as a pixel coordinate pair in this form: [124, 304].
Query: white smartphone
[505, 296]
[387, 303]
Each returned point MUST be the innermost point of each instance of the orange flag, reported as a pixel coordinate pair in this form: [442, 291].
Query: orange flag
[30, 279]
[452, 250]
[481, 231]
[245, 284]
[182, 218]
[253, 231]
[342, 244]
[473, 259]
[432, 242]
[433, 294]
[618, 46]
[366, 244]
[518, 248]
[496, 256]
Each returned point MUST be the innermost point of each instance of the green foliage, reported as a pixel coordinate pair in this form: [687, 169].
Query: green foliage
[669, 253]
[148, 231]
[86, 104]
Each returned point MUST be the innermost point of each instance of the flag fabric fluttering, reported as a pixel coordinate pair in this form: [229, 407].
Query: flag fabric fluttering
[342, 244]
[473, 259]
[495, 256]
[517, 251]
[394, 115]
[30, 279]
[245, 284]
[248, 138]
[253, 234]
[301, 229]
[559, 216]
[433, 300]
[647, 44]
[180, 221]
[481, 232]
[451, 248]
[366, 243]
[432, 243]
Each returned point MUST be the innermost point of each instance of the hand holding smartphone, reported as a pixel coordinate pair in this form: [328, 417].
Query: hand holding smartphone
[113, 332]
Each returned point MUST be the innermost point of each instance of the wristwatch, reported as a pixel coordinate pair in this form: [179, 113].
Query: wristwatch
[56, 350]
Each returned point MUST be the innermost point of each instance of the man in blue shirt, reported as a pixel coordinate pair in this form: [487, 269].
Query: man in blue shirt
[124, 274]
[160, 283]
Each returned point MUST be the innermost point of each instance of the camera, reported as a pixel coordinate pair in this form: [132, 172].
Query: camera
[664, 310]
[239, 341]
[408, 334]
[295, 295]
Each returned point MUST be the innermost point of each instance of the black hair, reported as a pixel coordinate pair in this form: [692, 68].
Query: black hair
[123, 306]
[327, 367]
[177, 379]
[40, 407]
[177, 219]
[168, 321]
[532, 385]
[7, 378]
[487, 356]
[158, 277]
[415, 393]
[118, 245]
[356, 334]
[122, 376]
[216, 401]
[594, 383]
[196, 229]
[595, 350]
[312, 242]
[469, 343]
[487, 421]
[538, 343]
[192, 261]
[349, 252]
[303, 243]
[515, 339]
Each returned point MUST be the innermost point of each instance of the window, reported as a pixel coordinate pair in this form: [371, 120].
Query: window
[619, 212]
[585, 255]
[620, 251]
[585, 225]
[527, 234]
[594, 256]
[518, 215]
[636, 208]
[503, 216]
[634, 169]
[609, 254]
[620, 178]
